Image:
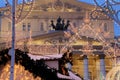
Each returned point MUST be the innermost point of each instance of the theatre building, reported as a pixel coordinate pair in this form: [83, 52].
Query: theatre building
[67, 38]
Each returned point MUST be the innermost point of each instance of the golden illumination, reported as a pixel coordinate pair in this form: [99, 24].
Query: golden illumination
[20, 73]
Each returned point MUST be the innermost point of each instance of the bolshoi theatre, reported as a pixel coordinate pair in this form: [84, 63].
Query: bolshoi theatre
[59, 40]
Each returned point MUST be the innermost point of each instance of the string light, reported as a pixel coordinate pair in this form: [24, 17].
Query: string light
[23, 74]
[114, 73]
[26, 7]
[109, 8]
[77, 33]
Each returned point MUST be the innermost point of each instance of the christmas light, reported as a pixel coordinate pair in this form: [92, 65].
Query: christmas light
[109, 8]
[22, 6]
[88, 30]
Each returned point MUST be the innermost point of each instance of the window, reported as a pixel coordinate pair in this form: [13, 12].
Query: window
[29, 27]
[105, 27]
[9, 26]
[24, 27]
[41, 26]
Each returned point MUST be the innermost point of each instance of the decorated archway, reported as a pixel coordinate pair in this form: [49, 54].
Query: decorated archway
[114, 73]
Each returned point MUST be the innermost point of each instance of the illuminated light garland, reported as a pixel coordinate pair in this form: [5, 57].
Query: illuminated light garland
[31, 68]
[110, 51]
[41, 49]
[107, 48]
[114, 73]
[76, 34]
[25, 6]
[26, 44]
[27, 66]
[23, 75]
[6, 39]
[109, 8]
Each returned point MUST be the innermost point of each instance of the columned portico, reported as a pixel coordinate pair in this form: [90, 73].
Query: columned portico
[102, 65]
[86, 71]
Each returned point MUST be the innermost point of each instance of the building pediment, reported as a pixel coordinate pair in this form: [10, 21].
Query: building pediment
[60, 6]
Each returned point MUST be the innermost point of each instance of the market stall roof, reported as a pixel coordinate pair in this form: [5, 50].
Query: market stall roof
[45, 57]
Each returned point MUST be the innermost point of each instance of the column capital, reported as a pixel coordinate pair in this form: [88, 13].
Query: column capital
[101, 56]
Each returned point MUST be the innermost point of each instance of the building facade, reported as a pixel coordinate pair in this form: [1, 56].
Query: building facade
[90, 59]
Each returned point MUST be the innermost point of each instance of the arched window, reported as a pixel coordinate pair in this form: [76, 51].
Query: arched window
[24, 27]
[105, 27]
[9, 26]
[29, 27]
[41, 26]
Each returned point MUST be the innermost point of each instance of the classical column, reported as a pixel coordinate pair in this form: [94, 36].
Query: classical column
[102, 66]
[86, 72]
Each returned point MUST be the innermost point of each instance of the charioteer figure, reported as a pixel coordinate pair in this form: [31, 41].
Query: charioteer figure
[60, 25]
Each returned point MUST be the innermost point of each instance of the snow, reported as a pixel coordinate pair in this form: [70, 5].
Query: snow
[74, 76]
[71, 76]
[45, 57]
[63, 76]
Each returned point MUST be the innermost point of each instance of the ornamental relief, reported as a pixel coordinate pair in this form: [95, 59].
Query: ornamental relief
[56, 41]
[58, 6]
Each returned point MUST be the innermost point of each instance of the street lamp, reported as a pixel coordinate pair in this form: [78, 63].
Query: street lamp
[13, 41]
[15, 20]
